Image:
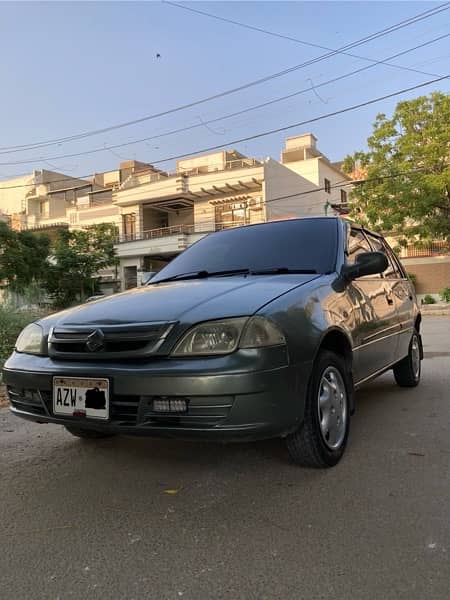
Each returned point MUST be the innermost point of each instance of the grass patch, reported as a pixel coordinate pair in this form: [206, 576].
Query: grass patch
[12, 321]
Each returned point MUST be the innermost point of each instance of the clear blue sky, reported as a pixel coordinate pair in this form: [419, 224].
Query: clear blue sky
[72, 67]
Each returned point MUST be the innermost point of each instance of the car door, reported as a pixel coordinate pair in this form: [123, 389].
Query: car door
[376, 325]
[404, 298]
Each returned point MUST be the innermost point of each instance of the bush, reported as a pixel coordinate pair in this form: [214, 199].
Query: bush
[445, 294]
[429, 299]
[12, 321]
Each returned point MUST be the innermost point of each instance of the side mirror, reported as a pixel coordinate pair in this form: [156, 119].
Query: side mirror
[366, 263]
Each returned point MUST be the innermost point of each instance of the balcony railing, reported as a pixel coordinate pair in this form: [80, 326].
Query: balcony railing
[165, 231]
[206, 227]
[436, 248]
[239, 163]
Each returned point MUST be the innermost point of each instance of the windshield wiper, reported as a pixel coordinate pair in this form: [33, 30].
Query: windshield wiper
[284, 270]
[202, 275]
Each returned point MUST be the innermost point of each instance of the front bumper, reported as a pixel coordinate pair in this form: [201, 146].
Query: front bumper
[251, 394]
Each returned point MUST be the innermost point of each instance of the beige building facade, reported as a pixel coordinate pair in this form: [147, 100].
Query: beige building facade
[158, 214]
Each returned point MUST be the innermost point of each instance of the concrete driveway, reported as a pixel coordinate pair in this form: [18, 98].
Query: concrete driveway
[142, 518]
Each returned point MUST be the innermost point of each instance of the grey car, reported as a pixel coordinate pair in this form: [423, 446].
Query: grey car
[254, 332]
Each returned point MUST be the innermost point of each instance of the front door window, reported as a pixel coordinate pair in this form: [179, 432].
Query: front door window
[231, 215]
[129, 226]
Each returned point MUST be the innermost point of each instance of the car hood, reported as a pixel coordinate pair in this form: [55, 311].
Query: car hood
[189, 301]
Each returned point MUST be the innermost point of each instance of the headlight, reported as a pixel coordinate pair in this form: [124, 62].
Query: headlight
[30, 340]
[224, 337]
[260, 332]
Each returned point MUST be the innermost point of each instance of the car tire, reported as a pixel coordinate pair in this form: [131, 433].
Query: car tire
[321, 439]
[407, 371]
[87, 434]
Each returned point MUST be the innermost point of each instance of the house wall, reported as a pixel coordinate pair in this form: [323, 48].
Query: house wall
[183, 217]
[432, 273]
[336, 178]
[316, 170]
[280, 181]
[12, 194]
[309, 169]
[52, 180]
[204, 215]
[57, 206]
[212, 161]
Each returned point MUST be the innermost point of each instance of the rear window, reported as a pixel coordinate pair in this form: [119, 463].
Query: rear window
[308, 244]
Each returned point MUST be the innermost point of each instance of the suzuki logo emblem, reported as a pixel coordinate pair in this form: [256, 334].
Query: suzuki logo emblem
[95, 341]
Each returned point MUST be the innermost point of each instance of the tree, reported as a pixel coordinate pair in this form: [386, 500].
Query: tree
[23, 258]
[78, 257]
[407, 171]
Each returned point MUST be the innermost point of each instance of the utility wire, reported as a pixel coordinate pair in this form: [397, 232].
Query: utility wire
[221, 118]
[277, 130]
[293, 39]
[405, 23]
[301, 123]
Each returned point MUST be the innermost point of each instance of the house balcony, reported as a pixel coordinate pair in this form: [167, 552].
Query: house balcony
[167, 241]
[240, 175]
[162, 241]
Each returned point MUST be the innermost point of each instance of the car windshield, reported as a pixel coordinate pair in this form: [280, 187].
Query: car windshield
[297, 245]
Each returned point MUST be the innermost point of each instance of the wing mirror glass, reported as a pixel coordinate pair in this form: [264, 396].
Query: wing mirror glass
[366, 263]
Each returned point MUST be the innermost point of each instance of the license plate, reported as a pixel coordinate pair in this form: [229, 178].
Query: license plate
[80, 397]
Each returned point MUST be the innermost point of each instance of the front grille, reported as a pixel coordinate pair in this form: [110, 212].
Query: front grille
[27, 400]
[124, 409]
[105, 342]
[202, 411]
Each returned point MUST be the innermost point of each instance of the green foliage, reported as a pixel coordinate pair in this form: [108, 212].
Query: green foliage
[77, 258]
[407, 167]
[445, 294]
[12, 321]
[23, 258]
[429, 299]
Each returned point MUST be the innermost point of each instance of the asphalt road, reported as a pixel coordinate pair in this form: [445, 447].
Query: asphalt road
[80, 520]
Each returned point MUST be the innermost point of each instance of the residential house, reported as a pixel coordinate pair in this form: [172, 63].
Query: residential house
[163, 213]
[160, 213]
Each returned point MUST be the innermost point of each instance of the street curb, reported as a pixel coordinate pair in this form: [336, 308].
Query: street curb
[435, 310]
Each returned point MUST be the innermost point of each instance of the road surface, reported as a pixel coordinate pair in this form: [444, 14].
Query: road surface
[137, 518]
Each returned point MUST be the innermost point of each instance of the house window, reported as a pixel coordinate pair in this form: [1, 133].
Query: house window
[231, 215]
[44, 208]
[327, 185]
[343, 196]
[129, 226]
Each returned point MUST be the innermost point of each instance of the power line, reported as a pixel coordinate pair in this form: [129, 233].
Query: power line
[405, 23]
[333, 51]
[277, 130]
[223, 117]
[301, 123]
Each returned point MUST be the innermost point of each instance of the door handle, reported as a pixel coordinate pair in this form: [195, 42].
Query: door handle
[389, 298]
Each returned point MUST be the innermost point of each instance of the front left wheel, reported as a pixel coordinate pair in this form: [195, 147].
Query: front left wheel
[321, 439]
